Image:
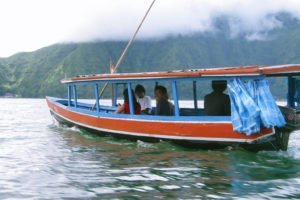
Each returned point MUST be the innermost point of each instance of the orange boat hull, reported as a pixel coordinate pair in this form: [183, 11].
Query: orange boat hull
[172, 130]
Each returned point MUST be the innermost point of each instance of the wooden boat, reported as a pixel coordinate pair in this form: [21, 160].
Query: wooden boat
[188, 126]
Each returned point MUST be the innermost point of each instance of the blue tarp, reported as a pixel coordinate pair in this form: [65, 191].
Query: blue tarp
[253, 106]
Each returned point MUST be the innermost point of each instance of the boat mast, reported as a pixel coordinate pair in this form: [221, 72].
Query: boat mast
[128, 45]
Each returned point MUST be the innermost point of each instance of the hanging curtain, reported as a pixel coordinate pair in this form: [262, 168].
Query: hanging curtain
[270, 113]
[244, 111]
[253, 106]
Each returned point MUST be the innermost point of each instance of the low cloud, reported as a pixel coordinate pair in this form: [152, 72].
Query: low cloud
[31, 24]
[118, 20]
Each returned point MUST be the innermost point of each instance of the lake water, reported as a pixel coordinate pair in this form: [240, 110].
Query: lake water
[41, 160]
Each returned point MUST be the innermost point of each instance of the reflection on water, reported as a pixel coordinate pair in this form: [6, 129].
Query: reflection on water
[40, 159]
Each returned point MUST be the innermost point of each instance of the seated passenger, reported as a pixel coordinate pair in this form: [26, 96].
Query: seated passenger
[125, 108]
[217, 103]
[163, 106]
[145, 101]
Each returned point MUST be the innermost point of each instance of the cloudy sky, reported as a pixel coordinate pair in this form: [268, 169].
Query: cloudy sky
[27, 25]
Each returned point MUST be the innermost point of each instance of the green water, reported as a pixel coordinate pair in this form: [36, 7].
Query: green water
[42, 160]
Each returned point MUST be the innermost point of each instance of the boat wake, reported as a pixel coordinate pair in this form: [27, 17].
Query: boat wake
[59, 126]
[142, 144]
[294, 146]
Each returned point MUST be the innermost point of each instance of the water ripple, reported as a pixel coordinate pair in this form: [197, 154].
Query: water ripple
[41, 159]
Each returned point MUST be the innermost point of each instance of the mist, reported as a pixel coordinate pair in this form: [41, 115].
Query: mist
[117, 20]
[31, 24]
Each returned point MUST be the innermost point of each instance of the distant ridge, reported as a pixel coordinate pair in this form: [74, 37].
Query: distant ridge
[38, 73]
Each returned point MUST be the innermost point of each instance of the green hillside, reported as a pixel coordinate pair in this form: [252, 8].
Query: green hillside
[38, 73]
[4, 78]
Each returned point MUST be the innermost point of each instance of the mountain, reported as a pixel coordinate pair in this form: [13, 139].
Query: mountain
[38, 73]
[4, 78]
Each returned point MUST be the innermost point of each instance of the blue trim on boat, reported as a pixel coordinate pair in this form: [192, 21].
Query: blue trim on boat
[97, 97]
[175, 96]
[69, 95]
[130, 98]
[75, 95]
[115, 97]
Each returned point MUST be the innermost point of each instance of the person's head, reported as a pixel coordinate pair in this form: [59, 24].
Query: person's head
[126, 96]
[219, 86]
[160, 92]
[140, 91]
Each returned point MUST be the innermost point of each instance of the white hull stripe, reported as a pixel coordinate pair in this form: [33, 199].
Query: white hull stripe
[164, 136]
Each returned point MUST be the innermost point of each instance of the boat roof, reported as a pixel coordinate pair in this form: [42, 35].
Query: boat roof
[253, 70]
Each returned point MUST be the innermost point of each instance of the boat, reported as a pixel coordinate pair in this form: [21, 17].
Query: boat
[270, 128]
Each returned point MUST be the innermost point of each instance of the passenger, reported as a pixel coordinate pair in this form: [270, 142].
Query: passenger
[145, 101]
[217, 103]
[125, 108]
[163, 106]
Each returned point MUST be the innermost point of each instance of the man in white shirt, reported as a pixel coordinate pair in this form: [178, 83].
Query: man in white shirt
[145, 101]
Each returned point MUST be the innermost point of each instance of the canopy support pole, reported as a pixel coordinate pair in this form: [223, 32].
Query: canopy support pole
[175, 96]
[75, 95]
[291, 92]
[130, 99]
[195, 95]
[97, 97]
[69, 95]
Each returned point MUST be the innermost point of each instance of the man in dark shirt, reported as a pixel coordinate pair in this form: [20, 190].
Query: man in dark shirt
[217, 103]
[163, 106]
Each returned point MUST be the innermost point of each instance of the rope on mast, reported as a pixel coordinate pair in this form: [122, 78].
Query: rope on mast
[126, 49]
[133, 37]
